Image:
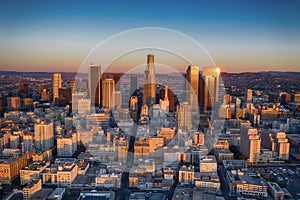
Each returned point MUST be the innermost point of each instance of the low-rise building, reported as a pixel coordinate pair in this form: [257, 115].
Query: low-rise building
[31, 188]
[276, 191]
[246, 184]
[33, 171]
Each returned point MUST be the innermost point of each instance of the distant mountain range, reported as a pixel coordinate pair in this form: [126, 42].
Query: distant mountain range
[49, 74]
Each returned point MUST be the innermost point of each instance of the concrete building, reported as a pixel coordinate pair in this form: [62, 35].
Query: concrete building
[13, 103]
[250, 143]
[184, 116]
[43, 136]
[208, 164]
[31, 172]
[186, 175]
[277, 142]
[10, 167]
[108, 181]
[62, 173]
[31, 188]
[276, 191]
[66, 145]
[246, 184]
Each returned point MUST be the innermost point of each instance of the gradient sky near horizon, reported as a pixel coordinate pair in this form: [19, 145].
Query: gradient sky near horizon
[239, 35]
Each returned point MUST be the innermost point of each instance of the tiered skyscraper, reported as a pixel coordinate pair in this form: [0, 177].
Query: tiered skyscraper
[56, 84]
[149, 87]
[94, 84]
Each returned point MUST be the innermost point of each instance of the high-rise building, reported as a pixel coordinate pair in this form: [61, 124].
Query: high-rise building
[13, 103]
[192, 77]
[250, 143]
[171, 97]
[43, 136]
[56, 84]
[184, 116]
[277, 142]
[24, 90]
[133, 83]
[164, 103]
[149, 86]
[248, 96]
[94, 84]
[209, 92]
[117, 98]
[117, 77]
[27, 143]
[108, 88]
[65, 96]
[209, 82]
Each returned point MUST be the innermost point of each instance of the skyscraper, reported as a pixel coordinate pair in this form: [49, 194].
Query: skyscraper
[94, 84]
[149, 86]
[209, 96]
[108, 88]
[184, 116]
[212, 91]
[248, 96]
[133, 83]
[192, 76]
[56, 84]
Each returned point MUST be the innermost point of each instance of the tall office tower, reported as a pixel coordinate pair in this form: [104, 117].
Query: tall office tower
[14, 141]
[108, 88]
[171, 97]
[192, 77]
[184, 116]
[73, 85]
[117, 77]
[13, 103]
[133, 83]
[250, 143]
[227, 98]
[45, 95]
[149, 86]
[94, 84]
[56, 84]
[43, 136]
[213, 94]
[24, 90]
[117, 98]
[248, 95]
[27, 143]
[164, 102]
[209, 97]
[65, 96]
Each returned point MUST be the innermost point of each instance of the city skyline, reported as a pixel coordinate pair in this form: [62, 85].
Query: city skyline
[252, 36]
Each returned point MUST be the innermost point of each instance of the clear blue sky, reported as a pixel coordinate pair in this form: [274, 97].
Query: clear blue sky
[239, 35]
